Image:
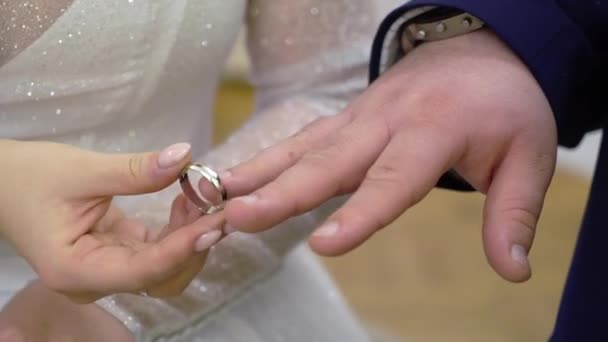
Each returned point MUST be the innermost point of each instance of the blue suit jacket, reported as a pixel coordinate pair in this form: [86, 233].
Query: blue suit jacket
[565, 45]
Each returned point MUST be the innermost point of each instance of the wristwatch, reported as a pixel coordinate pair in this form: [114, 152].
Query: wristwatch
[437, 24]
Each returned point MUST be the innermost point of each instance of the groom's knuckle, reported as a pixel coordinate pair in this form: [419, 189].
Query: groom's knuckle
[325, 158]
[384, 175]
[302, 142]
[384, 172]
[522, 215]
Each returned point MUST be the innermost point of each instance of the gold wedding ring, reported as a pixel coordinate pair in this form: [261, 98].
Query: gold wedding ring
[205, 205]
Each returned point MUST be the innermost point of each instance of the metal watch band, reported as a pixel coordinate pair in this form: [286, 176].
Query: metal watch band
[418, 31]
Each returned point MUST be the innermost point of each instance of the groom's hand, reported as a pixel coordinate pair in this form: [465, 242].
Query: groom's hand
[466, 103]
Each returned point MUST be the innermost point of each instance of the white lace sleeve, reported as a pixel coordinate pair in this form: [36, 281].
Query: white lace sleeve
[309, 58]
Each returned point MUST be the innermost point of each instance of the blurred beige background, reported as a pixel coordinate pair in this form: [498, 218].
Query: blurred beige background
[425, 278]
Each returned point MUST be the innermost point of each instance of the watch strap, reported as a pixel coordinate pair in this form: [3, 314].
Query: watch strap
[437, 24]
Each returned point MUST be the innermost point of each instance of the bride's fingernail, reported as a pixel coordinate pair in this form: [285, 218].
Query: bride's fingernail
[327, 230]
[207, 240]
[173, 155]
[249, 199]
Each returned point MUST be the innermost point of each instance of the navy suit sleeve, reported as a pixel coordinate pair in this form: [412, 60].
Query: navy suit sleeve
[545, 35]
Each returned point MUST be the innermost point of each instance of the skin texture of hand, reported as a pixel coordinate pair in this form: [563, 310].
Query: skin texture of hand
[37, 314]
[56, 209]
[466, 103]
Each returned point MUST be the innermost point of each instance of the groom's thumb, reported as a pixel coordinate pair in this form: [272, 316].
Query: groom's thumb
[139, 173]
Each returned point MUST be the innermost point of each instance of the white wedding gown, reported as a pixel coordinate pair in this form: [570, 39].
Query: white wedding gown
[138, 75]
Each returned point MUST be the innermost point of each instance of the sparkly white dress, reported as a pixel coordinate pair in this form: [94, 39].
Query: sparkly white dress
[138, 75]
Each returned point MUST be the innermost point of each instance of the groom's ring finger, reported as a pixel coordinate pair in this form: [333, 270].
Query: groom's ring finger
[267, 165]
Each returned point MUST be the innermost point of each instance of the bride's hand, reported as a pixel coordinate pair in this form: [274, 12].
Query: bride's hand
[55, 208]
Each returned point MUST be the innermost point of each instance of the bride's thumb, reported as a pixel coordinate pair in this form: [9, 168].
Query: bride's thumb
[138, 173]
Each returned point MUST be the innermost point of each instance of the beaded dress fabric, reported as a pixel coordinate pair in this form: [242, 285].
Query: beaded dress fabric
[138, 75]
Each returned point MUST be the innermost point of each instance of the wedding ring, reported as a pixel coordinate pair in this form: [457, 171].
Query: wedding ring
[205, 205]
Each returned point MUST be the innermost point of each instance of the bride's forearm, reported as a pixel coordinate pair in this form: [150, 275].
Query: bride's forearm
[38, 314]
